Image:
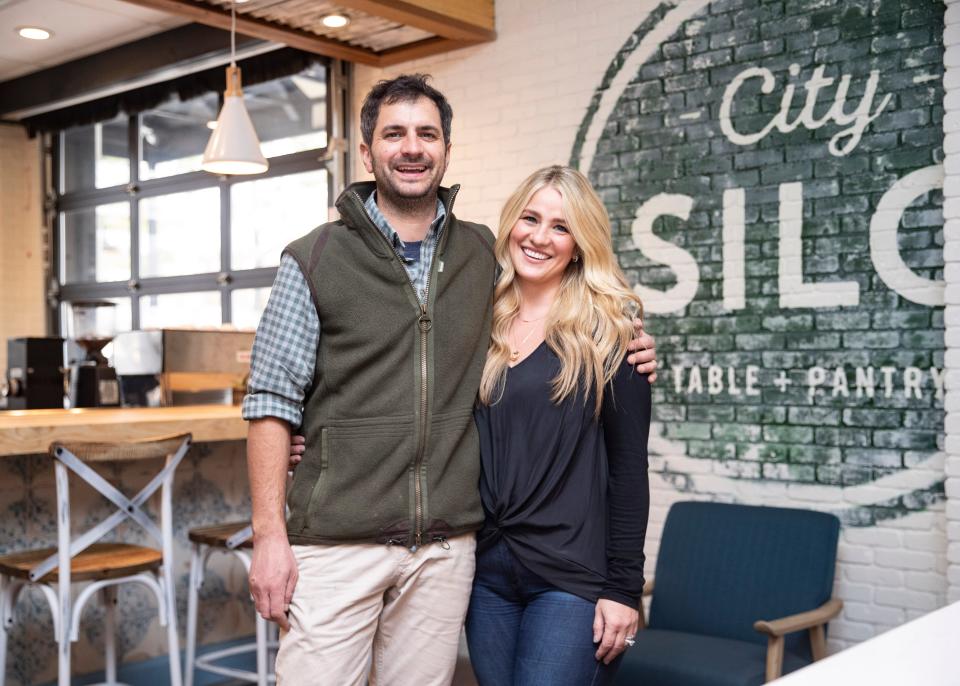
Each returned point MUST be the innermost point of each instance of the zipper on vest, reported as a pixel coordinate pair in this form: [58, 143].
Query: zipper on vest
[424, 324]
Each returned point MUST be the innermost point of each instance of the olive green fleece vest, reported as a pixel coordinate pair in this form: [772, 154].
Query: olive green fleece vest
[392, 453]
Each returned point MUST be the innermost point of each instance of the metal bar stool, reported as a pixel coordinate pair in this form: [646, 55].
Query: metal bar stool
[105, 565]
[236, 538]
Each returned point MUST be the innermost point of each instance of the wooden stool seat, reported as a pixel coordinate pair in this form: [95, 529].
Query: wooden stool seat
[217, 535]
[99, 561]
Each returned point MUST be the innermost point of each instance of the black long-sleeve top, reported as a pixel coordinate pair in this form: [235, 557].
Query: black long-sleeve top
[568, 494]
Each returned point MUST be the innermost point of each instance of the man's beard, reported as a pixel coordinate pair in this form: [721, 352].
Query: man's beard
[404, 201]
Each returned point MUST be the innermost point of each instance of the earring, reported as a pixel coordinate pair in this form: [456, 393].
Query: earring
[576, 258]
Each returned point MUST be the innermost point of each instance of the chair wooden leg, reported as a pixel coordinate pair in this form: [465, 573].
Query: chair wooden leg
[193, 601]
[818, 642]
[273, 641]
[63, 655]
[64, 590]
[3, 654]
[64, 645]
[262, 665]
[109, 596]
[169, 587]
[774, 657]
[173, 641]
[4, 612]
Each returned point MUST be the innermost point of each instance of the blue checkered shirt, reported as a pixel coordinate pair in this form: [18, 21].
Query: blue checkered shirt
[285, 348]
[418, 270]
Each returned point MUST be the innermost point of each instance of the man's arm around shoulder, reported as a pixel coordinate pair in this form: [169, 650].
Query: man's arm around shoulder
[273, 572]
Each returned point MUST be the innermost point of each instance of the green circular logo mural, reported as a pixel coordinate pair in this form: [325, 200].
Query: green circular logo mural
[772, 173]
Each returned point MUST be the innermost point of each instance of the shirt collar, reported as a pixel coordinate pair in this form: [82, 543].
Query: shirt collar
[376, 216]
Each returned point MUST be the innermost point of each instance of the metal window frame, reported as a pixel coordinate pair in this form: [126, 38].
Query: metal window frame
[333, 158]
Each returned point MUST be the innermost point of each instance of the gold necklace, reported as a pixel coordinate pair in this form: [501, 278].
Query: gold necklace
[515, 352]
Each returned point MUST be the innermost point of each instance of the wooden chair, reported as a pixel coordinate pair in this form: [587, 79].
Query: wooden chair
[743, 594]
[104, 565]
[235, 538]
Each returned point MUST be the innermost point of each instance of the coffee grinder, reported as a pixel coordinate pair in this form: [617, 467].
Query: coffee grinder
[93, 382]
[34, 374]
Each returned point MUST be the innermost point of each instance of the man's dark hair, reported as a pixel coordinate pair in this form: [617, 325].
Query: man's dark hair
[404, 88]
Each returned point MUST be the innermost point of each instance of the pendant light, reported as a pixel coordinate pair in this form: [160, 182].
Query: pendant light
[233, 147]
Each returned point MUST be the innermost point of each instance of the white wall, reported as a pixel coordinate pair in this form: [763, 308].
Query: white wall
[518, 101]
[22, 245]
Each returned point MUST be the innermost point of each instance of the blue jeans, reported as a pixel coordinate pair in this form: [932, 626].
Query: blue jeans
[523, 631]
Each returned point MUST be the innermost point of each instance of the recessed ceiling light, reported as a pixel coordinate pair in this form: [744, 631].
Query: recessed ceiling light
[33, 32]
[335, 21]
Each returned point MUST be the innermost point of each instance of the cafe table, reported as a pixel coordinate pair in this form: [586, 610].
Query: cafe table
[24, 432]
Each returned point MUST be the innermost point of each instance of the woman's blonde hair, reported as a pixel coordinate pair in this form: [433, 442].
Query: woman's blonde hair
[591, 321]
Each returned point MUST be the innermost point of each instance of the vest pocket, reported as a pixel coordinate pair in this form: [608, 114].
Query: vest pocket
[453, 472]
[363, 483]
[316, 493]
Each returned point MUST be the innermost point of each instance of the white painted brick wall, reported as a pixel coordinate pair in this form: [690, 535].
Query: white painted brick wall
[951, 251]
[518, 103]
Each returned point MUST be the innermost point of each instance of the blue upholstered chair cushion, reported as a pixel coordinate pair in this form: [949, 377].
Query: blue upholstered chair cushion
[671, 658]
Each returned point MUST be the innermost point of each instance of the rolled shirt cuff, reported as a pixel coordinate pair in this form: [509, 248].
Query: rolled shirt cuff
[260, 405]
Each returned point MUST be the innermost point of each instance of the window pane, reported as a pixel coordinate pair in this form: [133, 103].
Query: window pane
[247, 305]
[174, 135]
[290, 114]
[96, 244]
[180, 309]
[96, 156]
[180, 233]
[269, 213]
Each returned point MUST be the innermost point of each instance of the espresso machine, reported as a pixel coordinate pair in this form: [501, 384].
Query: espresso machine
[182, 366]
[93, 382]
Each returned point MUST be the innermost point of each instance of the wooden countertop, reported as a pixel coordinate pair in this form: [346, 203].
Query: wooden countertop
[32, 431]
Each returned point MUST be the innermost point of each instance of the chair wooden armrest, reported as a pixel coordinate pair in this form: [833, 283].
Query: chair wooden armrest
[647, 591]
[813, 620]
[802, 620]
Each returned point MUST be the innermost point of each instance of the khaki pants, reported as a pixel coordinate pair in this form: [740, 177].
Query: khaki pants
[360, 605]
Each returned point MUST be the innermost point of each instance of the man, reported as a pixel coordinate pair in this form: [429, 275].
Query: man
[377, 326]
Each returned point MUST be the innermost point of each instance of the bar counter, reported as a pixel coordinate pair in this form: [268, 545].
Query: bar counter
[24, 432]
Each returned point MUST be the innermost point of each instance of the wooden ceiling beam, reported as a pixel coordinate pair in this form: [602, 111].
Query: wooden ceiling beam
[419, 14]
[250, 26]
[423, 48]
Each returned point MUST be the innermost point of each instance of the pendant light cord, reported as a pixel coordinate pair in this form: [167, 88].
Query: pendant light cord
[233, 33]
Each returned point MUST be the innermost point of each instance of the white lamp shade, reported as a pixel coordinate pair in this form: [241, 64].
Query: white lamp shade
[233, 147]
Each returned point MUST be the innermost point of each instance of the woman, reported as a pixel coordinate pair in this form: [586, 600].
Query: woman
[563, 423]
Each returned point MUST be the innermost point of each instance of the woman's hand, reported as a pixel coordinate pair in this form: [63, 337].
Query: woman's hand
[298, 444]
[613, 624]
[643, 351]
